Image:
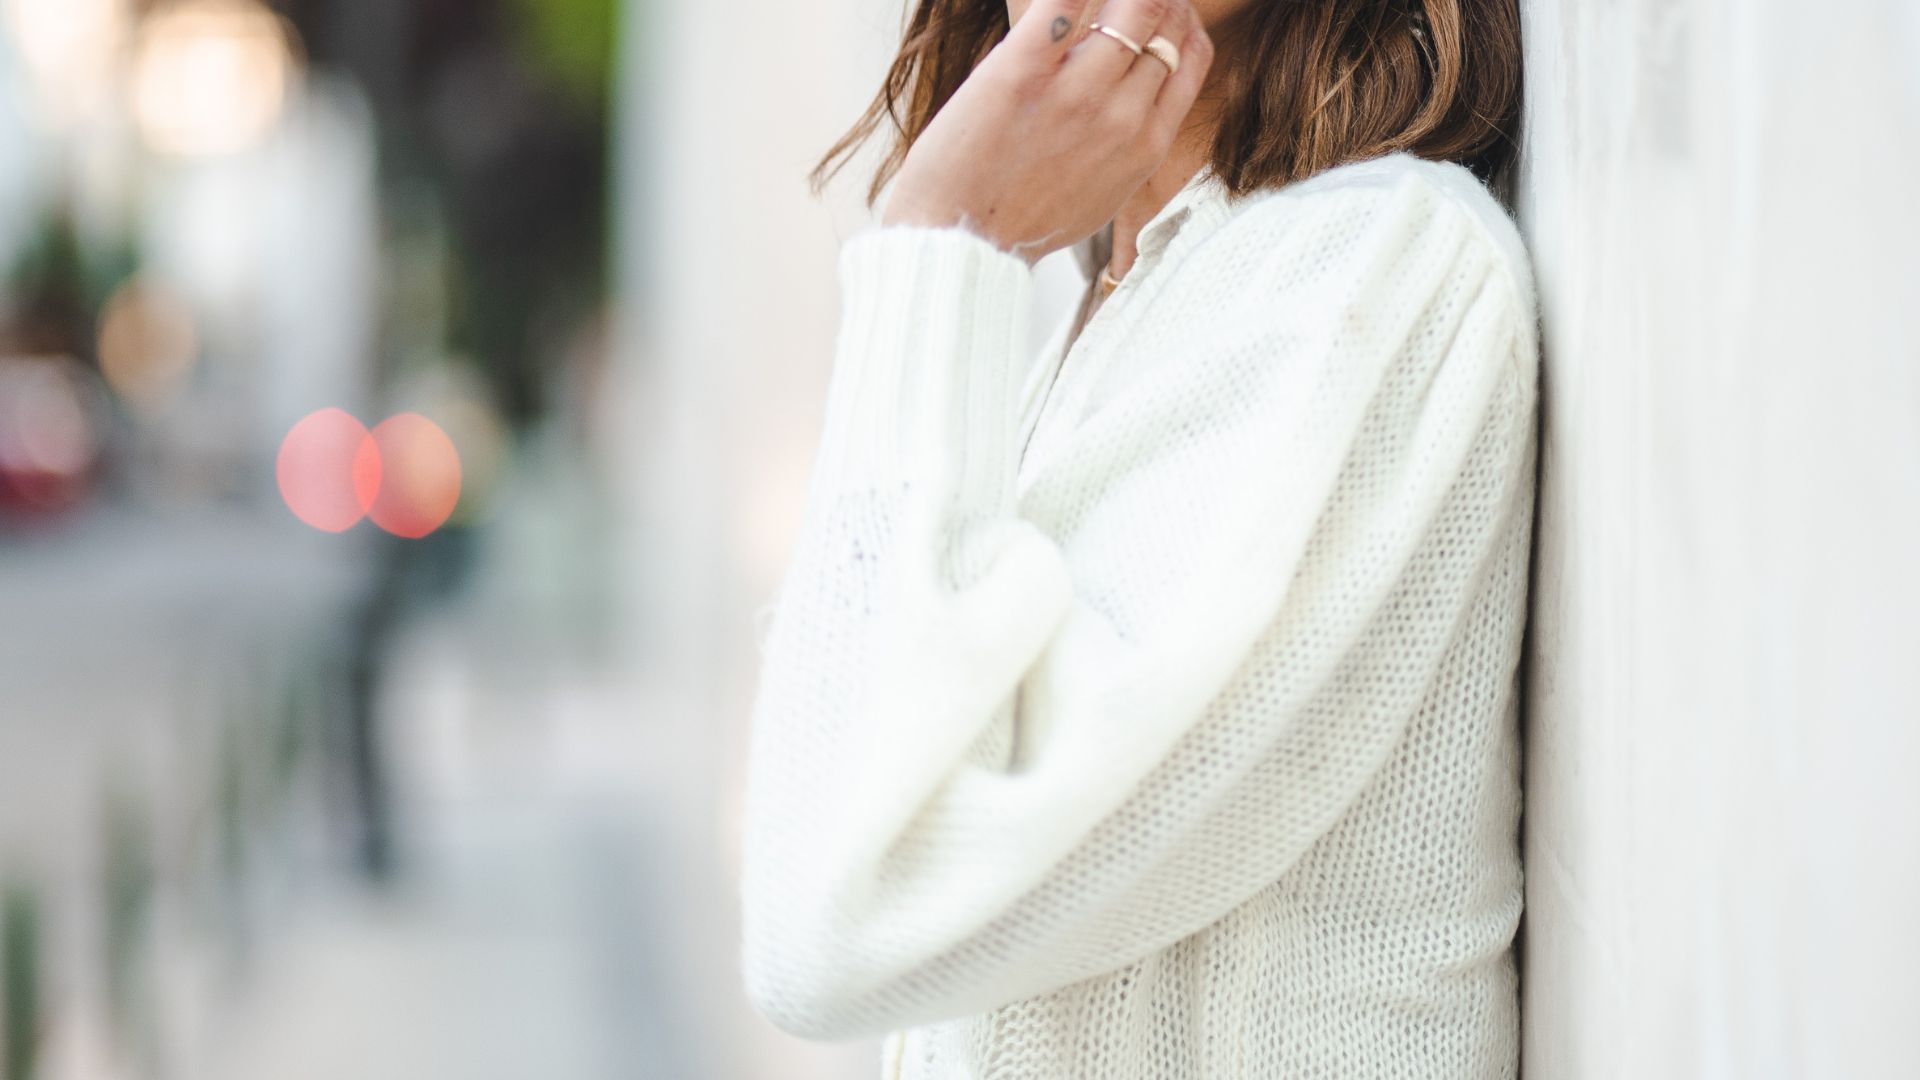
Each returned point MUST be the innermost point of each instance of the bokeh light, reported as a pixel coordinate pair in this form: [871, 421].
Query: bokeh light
[419, 476]
[49, 437]
[484, 441]
[329, 470]
[148, 344]
[404, 475]
[68, 48]
[210, 77]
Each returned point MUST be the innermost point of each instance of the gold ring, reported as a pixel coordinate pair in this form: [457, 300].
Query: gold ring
[1166, 52]
[1132, 45]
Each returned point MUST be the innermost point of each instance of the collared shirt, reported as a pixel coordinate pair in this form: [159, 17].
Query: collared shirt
[1203, 198]
[1201, 205]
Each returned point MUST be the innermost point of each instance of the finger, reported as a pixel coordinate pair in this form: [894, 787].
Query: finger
[1143, 80]
[1051, 27]
[1181, 89]
[1100, 60]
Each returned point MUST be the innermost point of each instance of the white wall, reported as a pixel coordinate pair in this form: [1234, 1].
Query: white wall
[1723, 819]
[727, 317]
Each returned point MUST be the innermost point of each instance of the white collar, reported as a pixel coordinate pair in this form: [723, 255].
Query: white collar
[1203, 198]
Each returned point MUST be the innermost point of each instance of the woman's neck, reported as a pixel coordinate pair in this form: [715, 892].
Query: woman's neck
[1190, 151]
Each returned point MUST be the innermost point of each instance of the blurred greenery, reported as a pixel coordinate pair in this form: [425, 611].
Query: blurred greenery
[492, 117]
[571, 42]
[129, 883]
[20, 981]
[58, 283]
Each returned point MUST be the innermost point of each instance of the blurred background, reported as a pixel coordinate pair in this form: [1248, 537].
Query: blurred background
[291, 801]
[297, 784]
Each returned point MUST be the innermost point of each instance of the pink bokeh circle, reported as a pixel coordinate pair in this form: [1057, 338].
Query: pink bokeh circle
[404, 474]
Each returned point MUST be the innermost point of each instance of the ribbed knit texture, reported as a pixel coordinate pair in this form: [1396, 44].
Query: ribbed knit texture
[1182, 745]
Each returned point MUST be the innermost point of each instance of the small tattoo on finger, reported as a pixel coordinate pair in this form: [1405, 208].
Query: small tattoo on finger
[1061, 25]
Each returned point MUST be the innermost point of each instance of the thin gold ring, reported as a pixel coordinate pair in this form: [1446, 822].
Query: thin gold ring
[1164, 50]
[1132, 45]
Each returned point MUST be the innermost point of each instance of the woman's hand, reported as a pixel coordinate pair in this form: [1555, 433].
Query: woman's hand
[1050, 134]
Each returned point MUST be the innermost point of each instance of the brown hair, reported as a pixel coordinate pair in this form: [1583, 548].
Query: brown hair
[1301, 85]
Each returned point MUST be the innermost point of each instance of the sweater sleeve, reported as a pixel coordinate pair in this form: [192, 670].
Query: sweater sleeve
[1205, 625]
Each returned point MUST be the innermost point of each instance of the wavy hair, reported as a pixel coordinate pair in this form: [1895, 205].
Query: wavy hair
[1300, 85]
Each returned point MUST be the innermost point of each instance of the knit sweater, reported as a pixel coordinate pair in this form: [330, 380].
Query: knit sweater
[1147, 712]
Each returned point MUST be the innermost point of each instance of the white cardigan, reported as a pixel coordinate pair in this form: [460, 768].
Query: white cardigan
[1183, 744]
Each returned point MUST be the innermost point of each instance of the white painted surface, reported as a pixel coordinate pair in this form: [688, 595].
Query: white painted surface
[729, 311]
[1723, 822]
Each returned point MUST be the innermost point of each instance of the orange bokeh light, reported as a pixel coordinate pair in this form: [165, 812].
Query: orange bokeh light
[419, 483]
[404, 474]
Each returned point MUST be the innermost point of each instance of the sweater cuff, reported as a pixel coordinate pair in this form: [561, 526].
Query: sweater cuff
[929, 364]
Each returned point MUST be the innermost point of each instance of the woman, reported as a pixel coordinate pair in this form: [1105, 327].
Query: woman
[1147, 709]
